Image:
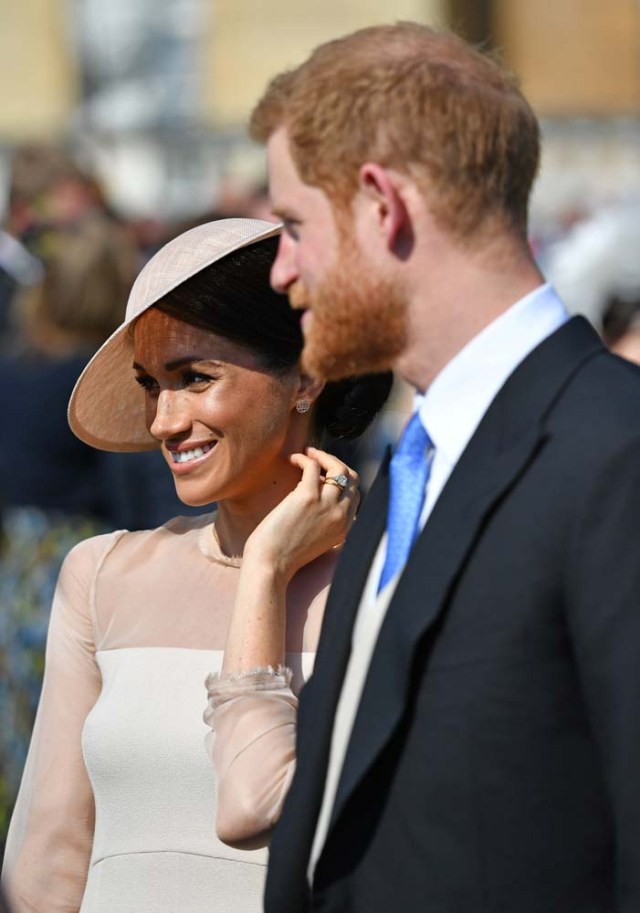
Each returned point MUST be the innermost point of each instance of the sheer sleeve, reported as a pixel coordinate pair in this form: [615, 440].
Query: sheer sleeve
[252, 744]
[50, 837]
[253, 717]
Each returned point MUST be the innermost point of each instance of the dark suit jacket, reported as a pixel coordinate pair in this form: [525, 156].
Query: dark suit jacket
[494, 764]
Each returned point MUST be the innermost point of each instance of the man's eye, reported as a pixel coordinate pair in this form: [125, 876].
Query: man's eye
[292, 228]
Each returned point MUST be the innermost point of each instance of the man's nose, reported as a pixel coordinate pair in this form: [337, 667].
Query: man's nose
[283, 270]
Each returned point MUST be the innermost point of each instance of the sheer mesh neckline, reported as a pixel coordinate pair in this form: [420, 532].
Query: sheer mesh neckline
[209, 545]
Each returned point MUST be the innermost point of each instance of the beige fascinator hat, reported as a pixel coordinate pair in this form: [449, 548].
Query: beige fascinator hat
[106, 409]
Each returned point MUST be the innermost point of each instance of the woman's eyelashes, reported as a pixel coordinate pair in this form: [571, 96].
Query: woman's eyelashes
[194, 378]
[189, 378]
[148, 384]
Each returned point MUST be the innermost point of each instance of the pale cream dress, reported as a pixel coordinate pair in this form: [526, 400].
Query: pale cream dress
[118, 804]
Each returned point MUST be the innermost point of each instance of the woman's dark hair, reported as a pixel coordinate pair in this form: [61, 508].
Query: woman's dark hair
[618, 317]
[233, 298]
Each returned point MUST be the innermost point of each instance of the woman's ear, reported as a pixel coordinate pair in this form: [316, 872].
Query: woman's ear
[309, 389]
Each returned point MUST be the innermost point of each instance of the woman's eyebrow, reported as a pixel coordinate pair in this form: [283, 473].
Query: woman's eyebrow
[176, 363]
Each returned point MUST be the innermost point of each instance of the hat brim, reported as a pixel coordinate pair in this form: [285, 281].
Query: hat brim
[107, 405]
[107, 408]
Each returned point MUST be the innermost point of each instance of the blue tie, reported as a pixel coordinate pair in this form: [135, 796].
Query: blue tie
[408, 474]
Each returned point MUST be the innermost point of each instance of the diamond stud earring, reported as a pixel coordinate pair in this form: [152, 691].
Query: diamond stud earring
[303, 406]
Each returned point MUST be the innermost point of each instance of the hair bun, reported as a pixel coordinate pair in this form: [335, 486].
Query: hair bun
[345, 408]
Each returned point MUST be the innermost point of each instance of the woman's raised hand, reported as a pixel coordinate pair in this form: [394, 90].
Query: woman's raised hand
[313, 518]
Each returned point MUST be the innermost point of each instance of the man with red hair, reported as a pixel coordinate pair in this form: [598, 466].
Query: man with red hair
[470, 738]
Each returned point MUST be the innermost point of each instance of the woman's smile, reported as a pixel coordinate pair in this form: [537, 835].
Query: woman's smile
[184, 460]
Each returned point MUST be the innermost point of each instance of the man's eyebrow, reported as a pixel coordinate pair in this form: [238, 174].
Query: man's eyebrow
[283, 213]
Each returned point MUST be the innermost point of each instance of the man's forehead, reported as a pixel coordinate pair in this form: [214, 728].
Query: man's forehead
[289, 194]
[280, 164]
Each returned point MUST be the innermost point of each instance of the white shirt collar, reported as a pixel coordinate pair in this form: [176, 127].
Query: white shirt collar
[459, 396]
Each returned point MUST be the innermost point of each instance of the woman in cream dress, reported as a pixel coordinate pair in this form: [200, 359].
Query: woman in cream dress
[119, 802]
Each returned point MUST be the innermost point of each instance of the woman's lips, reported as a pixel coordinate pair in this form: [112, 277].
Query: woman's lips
[185, 460]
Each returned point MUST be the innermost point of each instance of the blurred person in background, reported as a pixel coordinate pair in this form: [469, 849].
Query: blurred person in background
[47, 192]
[54, 490]
[596, 268]
[18, 269]
[205, 366]
[621, 326]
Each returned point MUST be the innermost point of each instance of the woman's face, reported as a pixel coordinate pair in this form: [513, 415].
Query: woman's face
[225, 425]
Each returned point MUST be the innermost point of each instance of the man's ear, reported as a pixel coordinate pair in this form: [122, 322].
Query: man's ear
[382, 190]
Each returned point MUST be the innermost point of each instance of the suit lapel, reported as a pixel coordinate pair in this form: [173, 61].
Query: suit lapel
[352, 572]
[322, 692]
[504, 444]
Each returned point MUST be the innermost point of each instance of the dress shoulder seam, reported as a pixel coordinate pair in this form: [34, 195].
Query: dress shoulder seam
[115, 538]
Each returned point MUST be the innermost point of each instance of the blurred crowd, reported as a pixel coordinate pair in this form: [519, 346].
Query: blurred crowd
[596, 269]
[67, 262]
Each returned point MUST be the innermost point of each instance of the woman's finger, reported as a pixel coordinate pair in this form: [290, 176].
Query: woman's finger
[333, 467]
[311, 471]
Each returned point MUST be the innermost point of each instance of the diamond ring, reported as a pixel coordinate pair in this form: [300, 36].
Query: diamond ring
[340, 481]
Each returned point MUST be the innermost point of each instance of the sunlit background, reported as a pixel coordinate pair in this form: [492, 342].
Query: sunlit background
[155, 94]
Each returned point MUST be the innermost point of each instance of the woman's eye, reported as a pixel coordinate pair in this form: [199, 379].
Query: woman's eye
[147, 383]
[195, 378]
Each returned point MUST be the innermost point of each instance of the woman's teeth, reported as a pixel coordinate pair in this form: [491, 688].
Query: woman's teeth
[184, 456]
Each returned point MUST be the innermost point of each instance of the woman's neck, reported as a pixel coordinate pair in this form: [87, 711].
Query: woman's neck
[236, 518]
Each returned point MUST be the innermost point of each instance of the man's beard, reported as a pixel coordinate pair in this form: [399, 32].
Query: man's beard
[359, 323]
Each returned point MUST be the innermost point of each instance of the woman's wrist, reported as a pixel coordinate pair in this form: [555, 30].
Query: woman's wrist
[269, 564]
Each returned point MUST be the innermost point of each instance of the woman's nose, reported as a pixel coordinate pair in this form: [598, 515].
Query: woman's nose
[171, 416]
